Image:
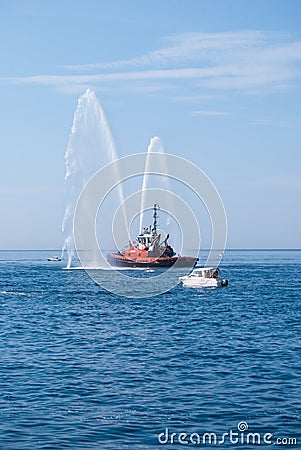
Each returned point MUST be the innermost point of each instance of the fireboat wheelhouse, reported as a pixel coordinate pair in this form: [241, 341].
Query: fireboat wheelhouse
[147, 251]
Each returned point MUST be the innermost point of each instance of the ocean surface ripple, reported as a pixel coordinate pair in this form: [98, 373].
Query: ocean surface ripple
[81, 368]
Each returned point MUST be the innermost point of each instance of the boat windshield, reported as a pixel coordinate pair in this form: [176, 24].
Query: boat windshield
[206, 273]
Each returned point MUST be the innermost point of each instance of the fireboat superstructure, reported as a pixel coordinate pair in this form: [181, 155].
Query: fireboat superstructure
[147, 251]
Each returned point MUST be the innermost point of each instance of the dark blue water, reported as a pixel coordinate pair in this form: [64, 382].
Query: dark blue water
[81, 368]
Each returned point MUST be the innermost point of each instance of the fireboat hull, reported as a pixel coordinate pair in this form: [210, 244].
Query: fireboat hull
[119, 260]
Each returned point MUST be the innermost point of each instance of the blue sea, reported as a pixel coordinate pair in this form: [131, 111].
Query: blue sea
[81, 368]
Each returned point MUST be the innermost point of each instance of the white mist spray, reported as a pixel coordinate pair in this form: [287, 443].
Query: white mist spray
[155, 146]
[90, 147]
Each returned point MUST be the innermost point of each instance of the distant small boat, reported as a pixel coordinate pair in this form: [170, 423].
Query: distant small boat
[204, 277]
[54, 258]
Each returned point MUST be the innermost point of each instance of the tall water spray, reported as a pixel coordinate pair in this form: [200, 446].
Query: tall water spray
[148, 181]
[90, 147]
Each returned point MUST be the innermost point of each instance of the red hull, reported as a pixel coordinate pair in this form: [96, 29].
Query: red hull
[119, 260]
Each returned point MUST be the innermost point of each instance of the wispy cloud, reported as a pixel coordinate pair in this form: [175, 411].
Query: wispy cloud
[185, 47]
[278, 122]
[204, 112]
[245, 61]
[262, 122]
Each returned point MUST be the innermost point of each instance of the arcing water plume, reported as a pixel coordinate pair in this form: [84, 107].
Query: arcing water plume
[155, 146]
[90, 147]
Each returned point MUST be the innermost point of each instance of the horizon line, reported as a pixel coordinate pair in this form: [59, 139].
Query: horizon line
[204, 249]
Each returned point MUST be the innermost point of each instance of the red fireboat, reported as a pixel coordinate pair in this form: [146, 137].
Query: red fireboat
[147, 251]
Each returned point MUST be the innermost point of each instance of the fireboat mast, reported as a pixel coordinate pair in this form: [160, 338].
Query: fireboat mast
[156, 207]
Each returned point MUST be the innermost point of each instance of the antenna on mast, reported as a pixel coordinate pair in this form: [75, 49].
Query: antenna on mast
[156, 207]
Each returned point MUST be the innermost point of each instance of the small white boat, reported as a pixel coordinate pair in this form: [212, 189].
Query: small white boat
[204, 277]
[54, 258]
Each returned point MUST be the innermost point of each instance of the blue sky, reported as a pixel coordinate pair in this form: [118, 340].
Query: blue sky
[218, 81]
